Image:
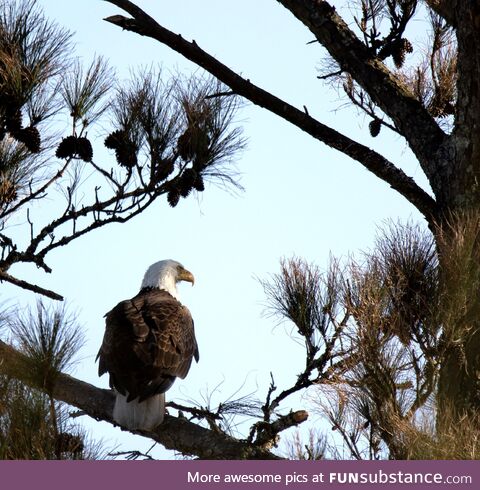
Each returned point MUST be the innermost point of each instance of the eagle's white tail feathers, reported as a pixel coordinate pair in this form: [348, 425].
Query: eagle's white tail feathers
[139, 416]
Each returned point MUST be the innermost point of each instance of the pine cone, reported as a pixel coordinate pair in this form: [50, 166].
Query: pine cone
[126, 156]
[30, 137]
[75, 147]
[374, 126]
[185, 191]
[173, 197]
[398, 58]
[185, 145]
[67, 147]
[114, 140]
[163, 168]
[200, 163]
[13, 119]
[396, 49]
[187, 182]
[407, 45]
[385, 51]
[84, 149]
[189, 177]
[398, 52]
[193, 143]
[125, 149]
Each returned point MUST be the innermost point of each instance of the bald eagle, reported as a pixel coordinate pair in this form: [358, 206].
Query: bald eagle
[149, 341]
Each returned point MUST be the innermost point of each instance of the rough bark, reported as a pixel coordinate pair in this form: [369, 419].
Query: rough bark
[459, 383]
[5, 276]
[411, 119]
[446, 9]
[465, 183]
[176, 433]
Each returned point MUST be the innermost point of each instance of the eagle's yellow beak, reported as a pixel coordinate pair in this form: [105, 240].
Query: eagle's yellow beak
[185, 275]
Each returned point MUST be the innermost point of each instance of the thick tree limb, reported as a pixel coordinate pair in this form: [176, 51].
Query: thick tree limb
[146, 26]
[174, 433]
[446, 9]
[411, 119]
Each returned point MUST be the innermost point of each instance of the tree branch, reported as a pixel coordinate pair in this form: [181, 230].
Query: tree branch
[146, 26]
[267, 433]
[174, 433]
[4, 276]
[446, 9]
[137, 201]
[410, 117]
[38, 193]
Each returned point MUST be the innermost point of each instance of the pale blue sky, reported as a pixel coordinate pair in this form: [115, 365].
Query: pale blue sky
[301, 198]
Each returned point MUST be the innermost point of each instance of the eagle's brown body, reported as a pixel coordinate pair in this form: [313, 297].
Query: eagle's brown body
[149, 341]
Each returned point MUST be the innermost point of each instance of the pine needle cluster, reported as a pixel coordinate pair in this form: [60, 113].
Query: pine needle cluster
[180, 129]
[376, 333]
[32, 424]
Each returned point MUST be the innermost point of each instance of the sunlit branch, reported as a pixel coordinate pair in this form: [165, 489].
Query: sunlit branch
[175, 433]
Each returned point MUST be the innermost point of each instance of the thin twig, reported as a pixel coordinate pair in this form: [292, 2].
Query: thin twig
[329, 75]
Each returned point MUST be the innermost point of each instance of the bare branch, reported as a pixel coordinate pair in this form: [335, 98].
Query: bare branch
[4, 276]
[330, 74]
[144, 25]
[37, 193]
[267, 433]
[196, 412]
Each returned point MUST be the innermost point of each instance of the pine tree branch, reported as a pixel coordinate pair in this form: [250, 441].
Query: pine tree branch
[37, 194]
[4, 276]
[446, 9]
[267, 433]
[409, 116]
[174, 433]
[119, 208]
[374, 162]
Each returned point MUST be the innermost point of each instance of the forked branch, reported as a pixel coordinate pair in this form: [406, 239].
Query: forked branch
[385, 89]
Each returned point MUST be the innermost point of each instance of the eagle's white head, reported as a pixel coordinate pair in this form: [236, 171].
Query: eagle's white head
[165, 275]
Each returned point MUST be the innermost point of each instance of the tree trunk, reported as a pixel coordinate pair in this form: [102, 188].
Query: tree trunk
[458, 242]
[459, 384]
[459, 193]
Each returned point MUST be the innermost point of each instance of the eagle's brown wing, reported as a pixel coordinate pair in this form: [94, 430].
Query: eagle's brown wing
[149, 341]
